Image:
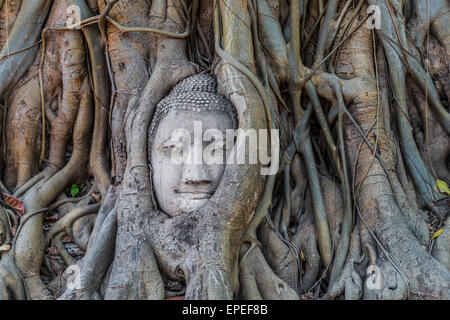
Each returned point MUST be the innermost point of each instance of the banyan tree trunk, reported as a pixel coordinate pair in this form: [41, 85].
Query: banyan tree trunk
[358, 105]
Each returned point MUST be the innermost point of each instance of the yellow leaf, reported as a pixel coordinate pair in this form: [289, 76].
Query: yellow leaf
[302, 255]
[438, 233]
[442, 186]
[5, 248]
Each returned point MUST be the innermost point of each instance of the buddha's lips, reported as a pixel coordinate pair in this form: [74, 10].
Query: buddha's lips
[195, 194]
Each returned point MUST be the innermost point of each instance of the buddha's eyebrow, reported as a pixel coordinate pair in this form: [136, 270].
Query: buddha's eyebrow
[170, 139]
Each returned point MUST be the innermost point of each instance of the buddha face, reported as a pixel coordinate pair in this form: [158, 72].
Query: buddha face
[183, 178]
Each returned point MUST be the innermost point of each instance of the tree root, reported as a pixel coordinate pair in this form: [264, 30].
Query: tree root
[11, 284]
[65, 224]
[258, 279]
[349, 282]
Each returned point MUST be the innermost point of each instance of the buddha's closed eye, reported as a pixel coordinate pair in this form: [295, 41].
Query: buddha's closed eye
[171, 146]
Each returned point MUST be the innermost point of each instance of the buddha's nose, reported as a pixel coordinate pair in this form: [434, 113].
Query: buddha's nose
[195, 173]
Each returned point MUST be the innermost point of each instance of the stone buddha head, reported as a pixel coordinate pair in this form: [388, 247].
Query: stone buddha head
[187, 144]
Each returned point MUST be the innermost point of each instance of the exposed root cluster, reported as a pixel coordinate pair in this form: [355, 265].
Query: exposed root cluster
[357, 210]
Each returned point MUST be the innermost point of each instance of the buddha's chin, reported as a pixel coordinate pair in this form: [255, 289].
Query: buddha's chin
[188, 205]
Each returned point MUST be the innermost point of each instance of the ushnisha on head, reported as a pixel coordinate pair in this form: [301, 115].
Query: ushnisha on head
[182, 183]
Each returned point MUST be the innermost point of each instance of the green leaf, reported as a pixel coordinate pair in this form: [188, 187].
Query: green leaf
[442, 186]
[74, 190]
